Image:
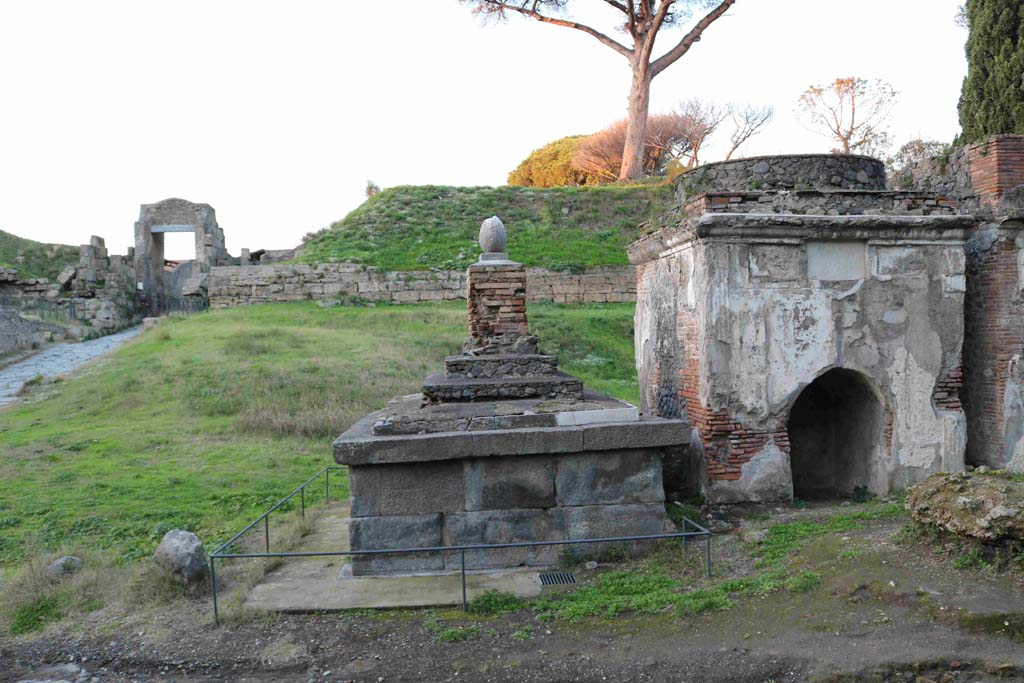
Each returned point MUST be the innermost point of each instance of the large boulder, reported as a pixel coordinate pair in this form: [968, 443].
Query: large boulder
[181, 555]
[984, 504]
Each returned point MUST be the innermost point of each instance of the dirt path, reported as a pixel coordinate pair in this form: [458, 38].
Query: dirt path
[886, 609]
[58, 360]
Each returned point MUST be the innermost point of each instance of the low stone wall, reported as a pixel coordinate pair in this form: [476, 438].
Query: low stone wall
[839, 203]
[241, 285]
[18, 334]
[793, 172]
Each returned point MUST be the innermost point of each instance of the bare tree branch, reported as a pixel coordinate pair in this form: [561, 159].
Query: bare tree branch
[684, 45]
[497, 7]
[852, 111]
[748, 122]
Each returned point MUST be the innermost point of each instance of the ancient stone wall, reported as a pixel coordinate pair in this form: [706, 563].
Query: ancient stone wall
[797, 172]
[839, 203]
[977, 176]
[17, 333]
[240, 285]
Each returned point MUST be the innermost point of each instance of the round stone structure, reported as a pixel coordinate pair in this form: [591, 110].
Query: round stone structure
[790, 172]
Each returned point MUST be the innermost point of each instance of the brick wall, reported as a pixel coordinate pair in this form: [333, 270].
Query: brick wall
[996, 166]
[240, 285]
[975, 175]
[993, 336]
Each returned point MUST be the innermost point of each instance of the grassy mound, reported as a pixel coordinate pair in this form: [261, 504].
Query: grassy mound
[35, 259]
[422, 227]
[204, 422]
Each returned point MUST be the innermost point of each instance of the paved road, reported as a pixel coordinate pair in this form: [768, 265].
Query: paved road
[58, 360]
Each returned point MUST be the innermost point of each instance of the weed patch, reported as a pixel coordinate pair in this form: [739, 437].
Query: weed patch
[494, 602]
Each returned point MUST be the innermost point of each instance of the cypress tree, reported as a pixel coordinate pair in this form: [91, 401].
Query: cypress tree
[992, 98]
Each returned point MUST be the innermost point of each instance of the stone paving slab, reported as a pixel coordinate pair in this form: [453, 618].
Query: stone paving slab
[312, 584]
[58, 360]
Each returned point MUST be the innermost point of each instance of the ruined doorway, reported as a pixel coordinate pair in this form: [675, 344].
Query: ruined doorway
[836, 438]
[174, 216]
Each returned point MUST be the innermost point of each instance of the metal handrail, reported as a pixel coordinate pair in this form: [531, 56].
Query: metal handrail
[300, 490]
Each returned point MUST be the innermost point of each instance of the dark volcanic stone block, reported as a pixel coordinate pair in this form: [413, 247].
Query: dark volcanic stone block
[604, 521]
[528, 441]
[409, 489]
[512, 482]
[499, 365]
[609, 477]
[504, 526]
[388, 533]
[438, 388]
[647, 433]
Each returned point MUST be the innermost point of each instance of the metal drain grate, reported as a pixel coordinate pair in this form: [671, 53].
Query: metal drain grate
[557, 579]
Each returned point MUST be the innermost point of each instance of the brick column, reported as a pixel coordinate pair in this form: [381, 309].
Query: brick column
[496, 301]
[996, 166]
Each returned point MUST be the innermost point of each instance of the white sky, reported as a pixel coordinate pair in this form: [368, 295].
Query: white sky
[277, 113]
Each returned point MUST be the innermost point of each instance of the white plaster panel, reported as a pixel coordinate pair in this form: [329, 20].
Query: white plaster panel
[776, 262]
[801, 343]
[919, 431]
[954, 284]
[894, 261]
[832, 260]
[748, 360]
[955, 261]
[1019, 242]
[686, 268]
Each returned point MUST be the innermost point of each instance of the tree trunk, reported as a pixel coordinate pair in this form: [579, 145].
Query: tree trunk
[636, 124]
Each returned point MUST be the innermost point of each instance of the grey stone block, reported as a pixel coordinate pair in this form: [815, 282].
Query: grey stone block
[609, 477]
[510, 482]
[358, 446]
[647, 433]
[406, 489]
[389, 533]
[504, 526]
[604, 521]
[528, 441]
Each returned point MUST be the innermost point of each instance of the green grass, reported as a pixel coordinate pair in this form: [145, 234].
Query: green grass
[783, 540]
[34, 615]
[204, 422]
[34, 259]
[422, 227]
[655, 585]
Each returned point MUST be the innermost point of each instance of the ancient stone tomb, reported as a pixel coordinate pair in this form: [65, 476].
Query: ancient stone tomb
[500, 448]
[808, 324]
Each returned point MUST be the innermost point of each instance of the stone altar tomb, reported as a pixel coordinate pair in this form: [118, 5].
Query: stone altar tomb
[502, 447]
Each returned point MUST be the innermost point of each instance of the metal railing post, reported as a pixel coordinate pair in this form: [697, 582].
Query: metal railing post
[707, 554]
[465, 606]
[302, 497]
[213, 584]
[266, 531]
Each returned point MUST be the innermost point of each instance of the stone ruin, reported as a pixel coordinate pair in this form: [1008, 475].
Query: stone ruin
[168, 216]
[503, 447]
[810, 326]
[99, 289]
